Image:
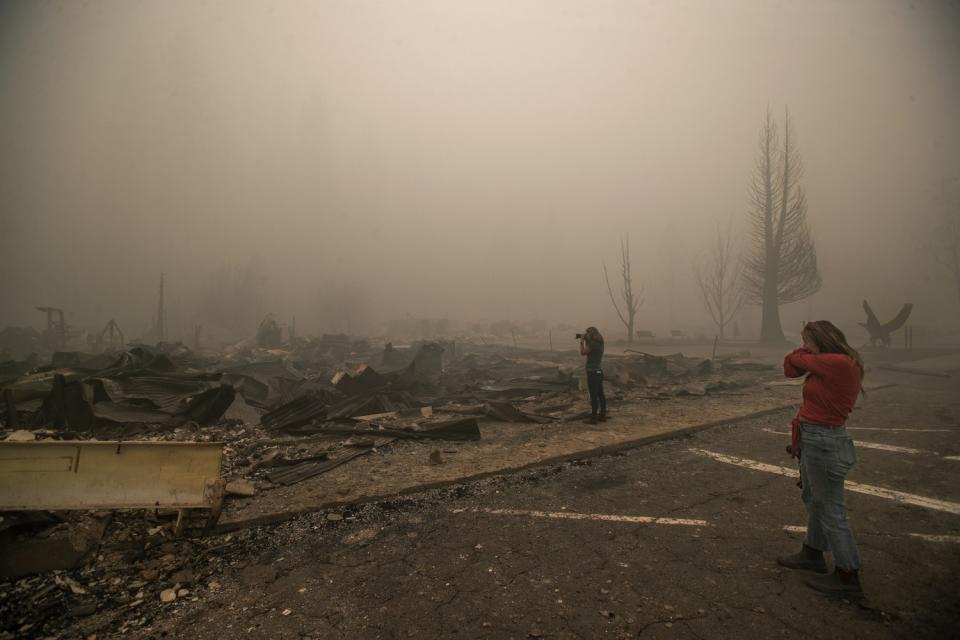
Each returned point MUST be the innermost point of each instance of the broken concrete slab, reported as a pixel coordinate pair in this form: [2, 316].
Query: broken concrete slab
[241, 412]
[240, 488]
[21, 435]
[66, 548]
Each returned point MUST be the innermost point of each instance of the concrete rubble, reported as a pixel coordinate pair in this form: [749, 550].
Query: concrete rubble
[285, 414]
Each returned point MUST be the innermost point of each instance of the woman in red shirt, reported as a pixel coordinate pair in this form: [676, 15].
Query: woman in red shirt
[834, 375]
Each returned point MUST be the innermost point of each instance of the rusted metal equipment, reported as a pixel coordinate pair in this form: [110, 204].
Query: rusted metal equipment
[56, 333]
[111, 337]
[79, 475]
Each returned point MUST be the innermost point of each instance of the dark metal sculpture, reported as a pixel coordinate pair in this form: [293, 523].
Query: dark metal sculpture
[881, 332]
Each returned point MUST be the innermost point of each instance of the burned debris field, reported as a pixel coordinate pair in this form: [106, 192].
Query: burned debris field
[452, 319]
[335, 445]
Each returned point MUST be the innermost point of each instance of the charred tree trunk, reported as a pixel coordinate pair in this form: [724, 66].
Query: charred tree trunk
[718, 275]
[783, 266]
[631, 299]
[771, 330]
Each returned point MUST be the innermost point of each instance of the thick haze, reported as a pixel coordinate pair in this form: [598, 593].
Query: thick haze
[361, 161]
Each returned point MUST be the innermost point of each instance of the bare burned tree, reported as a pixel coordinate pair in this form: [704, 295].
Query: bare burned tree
[631, 300]
[782, 267]
[718, 274]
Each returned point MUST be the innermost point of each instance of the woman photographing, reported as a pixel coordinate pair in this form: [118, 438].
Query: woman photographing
[591, 345]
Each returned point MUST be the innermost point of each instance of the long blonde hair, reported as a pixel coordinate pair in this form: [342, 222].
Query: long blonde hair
[829, 339]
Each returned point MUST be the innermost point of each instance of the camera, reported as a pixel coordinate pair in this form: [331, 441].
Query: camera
[581, 336]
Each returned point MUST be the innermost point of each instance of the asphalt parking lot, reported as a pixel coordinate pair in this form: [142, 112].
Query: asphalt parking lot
[673, 540]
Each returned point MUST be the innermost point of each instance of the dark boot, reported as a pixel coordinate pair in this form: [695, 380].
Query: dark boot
[839, 582]
[603, 416]
[592, 419]
[808, 559]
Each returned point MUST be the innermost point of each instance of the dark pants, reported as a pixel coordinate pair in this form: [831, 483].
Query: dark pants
[597, 399]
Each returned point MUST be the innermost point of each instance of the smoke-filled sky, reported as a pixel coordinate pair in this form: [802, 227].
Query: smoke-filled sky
[352, 162]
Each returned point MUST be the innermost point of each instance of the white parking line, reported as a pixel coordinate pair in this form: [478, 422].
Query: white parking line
[894, 449]
[880, 492]
[601, 517]
[932, 538]
[570, 515]
[877, 445]
[923, 536]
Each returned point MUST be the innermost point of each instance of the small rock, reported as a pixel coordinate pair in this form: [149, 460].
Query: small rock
[168, 595]
[258, 574]
[286, 612]
[334, 517]
[150, 574]
[435, 457]
[82, 609]
[70, 583]
[213, 585]
[184, 576]
[240, 488]
[607, 614]
[183, 593]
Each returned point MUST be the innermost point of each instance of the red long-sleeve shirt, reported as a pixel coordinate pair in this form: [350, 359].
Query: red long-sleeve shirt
[829, 392]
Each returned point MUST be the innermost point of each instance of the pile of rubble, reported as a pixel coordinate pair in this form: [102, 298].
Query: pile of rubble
[282, 415]
[136, 574]
[288, 414]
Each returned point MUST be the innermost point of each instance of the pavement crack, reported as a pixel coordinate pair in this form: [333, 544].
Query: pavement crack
[670, 619]
[765, 484]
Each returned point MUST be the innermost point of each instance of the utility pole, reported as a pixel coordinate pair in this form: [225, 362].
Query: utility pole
[161, 313]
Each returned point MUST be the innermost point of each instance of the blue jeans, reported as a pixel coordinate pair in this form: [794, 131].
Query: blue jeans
[827, 455]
